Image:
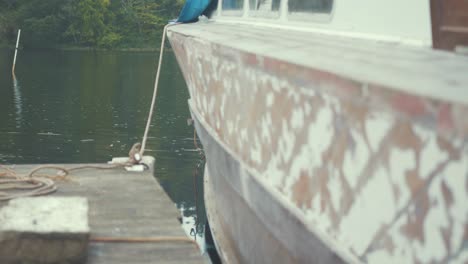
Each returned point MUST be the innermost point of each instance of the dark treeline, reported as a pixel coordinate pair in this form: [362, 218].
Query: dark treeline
[86, 23]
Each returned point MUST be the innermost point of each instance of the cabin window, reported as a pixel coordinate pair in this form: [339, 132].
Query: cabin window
[264, 8]
[233, 4]
[264, 5]
[310, 6]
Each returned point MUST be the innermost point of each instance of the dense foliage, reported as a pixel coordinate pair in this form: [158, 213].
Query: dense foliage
[87, 23]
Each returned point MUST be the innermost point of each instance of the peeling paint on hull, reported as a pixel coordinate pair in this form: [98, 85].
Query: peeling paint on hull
[376, 174]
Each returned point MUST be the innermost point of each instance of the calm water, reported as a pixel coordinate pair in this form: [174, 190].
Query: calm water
[86, 106]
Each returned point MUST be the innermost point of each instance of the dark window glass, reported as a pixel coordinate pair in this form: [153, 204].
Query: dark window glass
[315, 6]
[264, 5]
[233, 4]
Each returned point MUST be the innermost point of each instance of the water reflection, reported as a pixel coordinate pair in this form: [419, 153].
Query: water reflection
[193, 216]
[18, 102]
[194, 220]
[199, 216]
[188, 224]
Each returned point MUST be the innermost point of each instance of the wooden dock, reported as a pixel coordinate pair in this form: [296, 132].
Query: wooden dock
[127, 204]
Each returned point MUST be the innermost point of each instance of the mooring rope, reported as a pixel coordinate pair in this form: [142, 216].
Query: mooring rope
[142, 239]
[156, 84]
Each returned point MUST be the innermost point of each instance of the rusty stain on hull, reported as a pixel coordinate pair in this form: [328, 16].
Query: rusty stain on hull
[381, 174]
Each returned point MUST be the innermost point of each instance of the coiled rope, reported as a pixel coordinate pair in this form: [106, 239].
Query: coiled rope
[13, 185]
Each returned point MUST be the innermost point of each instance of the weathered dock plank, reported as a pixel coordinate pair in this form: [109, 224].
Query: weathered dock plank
[127, 204]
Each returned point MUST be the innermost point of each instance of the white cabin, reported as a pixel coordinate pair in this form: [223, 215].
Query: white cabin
[435, 23]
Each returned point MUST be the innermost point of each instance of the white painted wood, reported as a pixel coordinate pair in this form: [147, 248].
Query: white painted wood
[408, 20]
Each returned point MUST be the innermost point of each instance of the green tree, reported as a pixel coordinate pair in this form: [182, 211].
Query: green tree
[92, 23]
[88, 26]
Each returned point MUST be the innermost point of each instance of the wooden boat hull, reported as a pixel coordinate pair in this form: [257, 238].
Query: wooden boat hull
[258, 231]
[311, 160]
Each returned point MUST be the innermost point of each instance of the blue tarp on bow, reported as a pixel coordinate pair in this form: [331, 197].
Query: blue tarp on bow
[192, 10]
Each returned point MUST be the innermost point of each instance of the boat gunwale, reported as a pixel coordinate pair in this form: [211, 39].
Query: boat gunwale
[443, 88]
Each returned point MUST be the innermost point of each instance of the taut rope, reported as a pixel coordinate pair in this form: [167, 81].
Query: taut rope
[156, 83]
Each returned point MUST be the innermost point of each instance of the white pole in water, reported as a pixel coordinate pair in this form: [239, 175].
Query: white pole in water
[16, 52]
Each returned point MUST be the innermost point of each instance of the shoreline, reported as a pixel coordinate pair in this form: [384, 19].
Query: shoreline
[89, 49]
